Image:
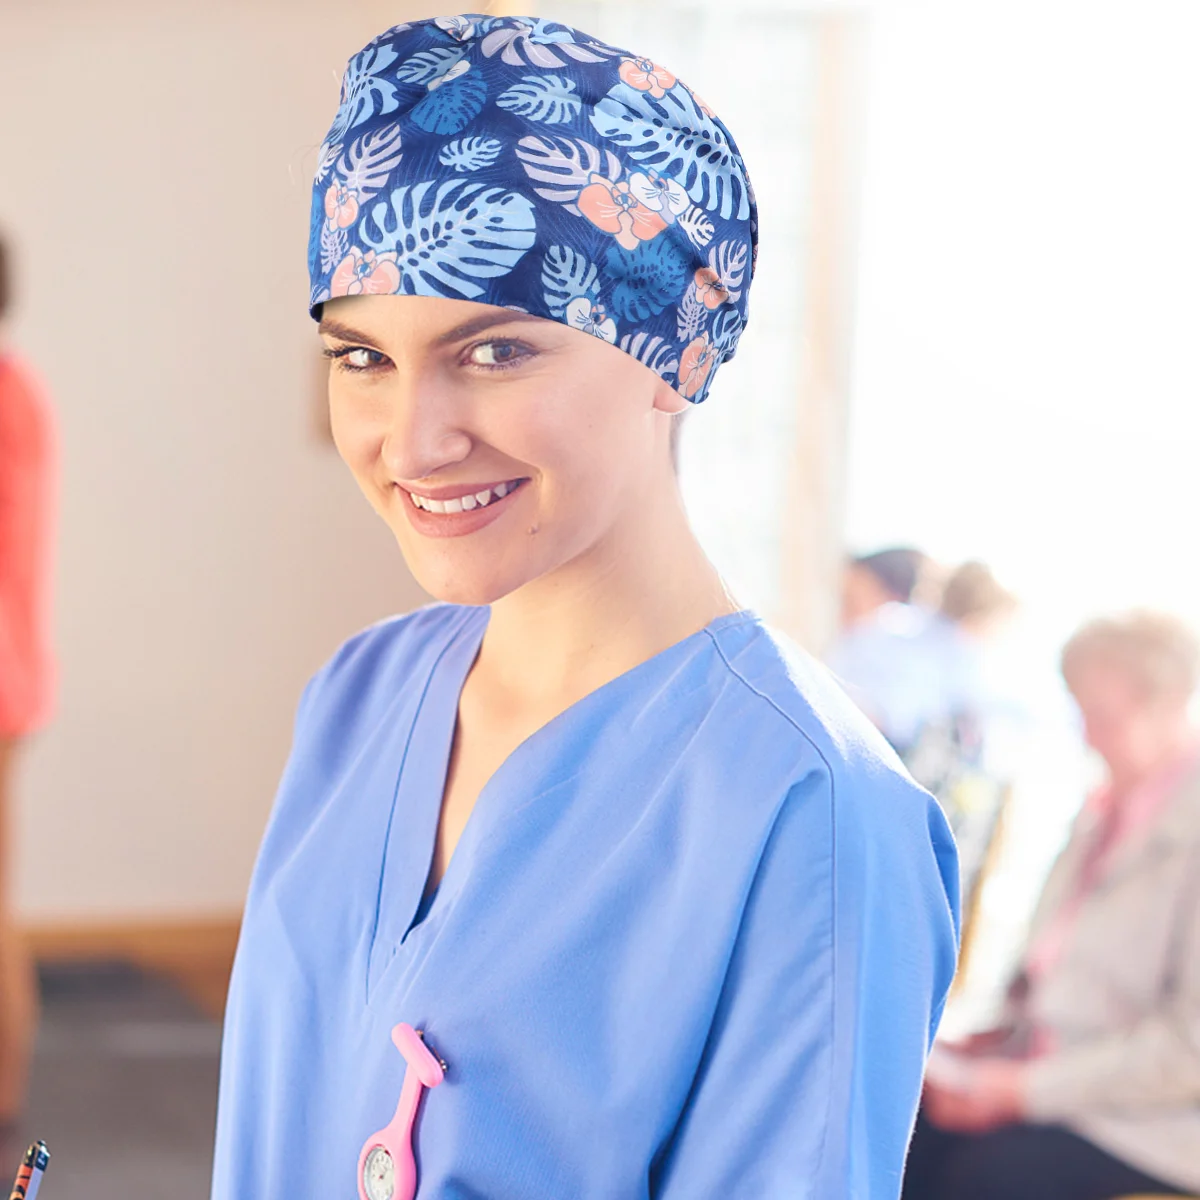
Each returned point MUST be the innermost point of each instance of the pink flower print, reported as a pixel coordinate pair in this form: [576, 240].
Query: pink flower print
[368, 274]
[695, 363]
[660, 193]
[341, 206]
[584, 313]
[613, 208]
[646, 76]
[710, 289]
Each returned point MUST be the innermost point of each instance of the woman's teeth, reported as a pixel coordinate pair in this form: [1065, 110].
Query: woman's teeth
[467, 502]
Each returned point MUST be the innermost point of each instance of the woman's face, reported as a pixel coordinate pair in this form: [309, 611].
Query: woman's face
[498, 447]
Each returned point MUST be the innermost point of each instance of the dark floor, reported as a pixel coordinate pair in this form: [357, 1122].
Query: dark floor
[124, 1088]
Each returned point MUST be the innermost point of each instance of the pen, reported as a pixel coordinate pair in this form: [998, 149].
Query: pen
[29, 1175]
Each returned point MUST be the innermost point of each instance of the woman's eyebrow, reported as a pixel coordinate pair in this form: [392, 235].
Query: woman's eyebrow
[344, 332]
[479, 324]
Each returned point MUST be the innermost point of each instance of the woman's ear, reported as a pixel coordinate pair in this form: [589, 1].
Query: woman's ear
[668, 400]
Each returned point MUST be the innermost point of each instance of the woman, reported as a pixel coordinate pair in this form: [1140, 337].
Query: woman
[1090, 1089]
[28, 464]
[646, 883]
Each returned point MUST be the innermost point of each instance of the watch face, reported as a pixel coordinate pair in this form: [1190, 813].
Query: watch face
[379, 1175]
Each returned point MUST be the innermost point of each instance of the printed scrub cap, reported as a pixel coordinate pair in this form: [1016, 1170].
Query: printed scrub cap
[518, 162]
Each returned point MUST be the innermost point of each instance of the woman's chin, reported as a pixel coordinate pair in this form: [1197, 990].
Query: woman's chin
[464, 587]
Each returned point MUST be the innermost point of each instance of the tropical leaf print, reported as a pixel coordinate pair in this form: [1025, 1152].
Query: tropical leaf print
[329, 153]
[538, 42]
[334, 246]
[371, 158]
[727, 328]
[428, 64]
[691, 315]
[654, 352]
[364, 93]
[470, 154]
[728, 260]
[460, 28]
[549, 98]
[566, 163]
[675, 137]
[697, 226]
[451, 107]
[446, 239]
[566, 274]
[645, 280]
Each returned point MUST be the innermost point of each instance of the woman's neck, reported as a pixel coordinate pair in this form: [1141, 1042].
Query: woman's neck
[640, 590]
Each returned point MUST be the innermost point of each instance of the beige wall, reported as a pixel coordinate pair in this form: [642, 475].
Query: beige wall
[153, 168]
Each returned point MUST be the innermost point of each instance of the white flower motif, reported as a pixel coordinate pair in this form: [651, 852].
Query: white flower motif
[456, 27]
[459, 68]
[659, 193]
[583, 313]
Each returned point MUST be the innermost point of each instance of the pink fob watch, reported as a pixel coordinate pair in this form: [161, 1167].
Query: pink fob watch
[387, 1169]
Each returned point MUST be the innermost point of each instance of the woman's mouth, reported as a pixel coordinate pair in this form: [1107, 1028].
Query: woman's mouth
[458, 511]
[467, 501]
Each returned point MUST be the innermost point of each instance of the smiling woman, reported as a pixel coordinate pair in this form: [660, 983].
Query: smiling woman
[586, 829]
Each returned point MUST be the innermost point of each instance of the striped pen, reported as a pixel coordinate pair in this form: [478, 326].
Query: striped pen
[29, 1175]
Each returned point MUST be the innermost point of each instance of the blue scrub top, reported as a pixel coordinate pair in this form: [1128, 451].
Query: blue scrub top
[694, 940]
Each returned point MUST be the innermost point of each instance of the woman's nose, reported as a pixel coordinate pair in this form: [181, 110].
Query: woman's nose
[424, 433]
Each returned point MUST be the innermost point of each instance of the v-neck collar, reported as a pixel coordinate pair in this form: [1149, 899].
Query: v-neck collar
[411, 832]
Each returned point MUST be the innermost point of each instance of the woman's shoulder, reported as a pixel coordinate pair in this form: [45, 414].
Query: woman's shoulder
[847, 801]
[781, 688]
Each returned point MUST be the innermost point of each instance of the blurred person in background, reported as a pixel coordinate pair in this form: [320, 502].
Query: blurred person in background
[1089, 1088]
[871, 581]
[873, 655]
[962, 747]
[28, 466]
[953, 647]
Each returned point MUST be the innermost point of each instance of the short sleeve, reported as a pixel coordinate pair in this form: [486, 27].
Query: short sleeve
[811, 1077]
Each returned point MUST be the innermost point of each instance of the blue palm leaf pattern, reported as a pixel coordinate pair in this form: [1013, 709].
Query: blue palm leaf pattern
[428, 64]
[447, 239]
[676, 138]
[452, 106]
[364, 93]
[567, 163]
[727, 328]
[655, 352]
[549, 98]
[470, 154]
[365, 167]
[566, 274]
[645, 280]
[691, 315]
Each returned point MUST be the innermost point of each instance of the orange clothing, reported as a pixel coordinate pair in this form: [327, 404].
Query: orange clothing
[28, 516]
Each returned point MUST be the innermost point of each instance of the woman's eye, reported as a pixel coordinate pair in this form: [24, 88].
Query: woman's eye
[356, 358]
[362, 359]
[496, 354]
